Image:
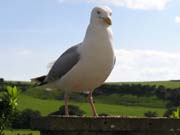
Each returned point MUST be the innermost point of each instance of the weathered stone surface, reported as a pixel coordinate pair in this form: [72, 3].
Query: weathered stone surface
[105, 126]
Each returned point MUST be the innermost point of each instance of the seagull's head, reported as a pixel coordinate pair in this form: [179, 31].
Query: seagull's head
[101, 15]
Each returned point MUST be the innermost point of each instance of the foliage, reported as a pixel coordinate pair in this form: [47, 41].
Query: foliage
[73, 110]
[168, 112]
[23, 119]
[8, 104]
[176, 114]
[174, 98]
[1, 81]
[167, 84]
[23, 86]
[150, 114]
[171, 96]
[103, 114]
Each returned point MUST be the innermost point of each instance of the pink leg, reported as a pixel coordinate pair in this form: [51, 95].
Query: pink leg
[66, 104]
[90, 98]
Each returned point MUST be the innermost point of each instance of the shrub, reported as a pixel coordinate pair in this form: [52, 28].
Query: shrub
[172, 112]
[103, 114]
[176, 114]
[23, 119]
[8, 103]
[169, 112]
[150, 114]
[73, 110]
[1, 81]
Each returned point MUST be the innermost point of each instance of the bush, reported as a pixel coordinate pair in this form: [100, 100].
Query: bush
[8, 104]
[103, 114]
[73, 110]
[176, 114]
[150, 114]
[169, 112]
[1, 81]
[23, 119]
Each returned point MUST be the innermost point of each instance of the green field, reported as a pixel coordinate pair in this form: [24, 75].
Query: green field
[167, 84]
[132, 100]
[21, 132]
[48, 106]
[135, 106]
[112, 104]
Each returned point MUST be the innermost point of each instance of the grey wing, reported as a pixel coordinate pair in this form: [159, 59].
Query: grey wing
[63, 64]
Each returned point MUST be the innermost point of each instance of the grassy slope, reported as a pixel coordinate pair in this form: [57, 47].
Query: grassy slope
[167, 84]
[48, 106]
[132, 100]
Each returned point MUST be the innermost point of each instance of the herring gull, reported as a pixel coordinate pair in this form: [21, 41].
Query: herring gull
[85, 66]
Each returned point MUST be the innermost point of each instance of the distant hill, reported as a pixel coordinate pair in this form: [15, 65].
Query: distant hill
[168, 84]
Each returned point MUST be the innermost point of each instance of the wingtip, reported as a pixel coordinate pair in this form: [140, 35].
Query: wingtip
[39, 80]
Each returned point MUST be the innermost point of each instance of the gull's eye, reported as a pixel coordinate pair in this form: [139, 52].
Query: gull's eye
[98, 12]
[110, 14]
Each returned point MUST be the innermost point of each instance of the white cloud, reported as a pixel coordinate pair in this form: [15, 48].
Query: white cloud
[177, 19]
[21, 63]
[132, 4]
[131, 65]
[145, 65]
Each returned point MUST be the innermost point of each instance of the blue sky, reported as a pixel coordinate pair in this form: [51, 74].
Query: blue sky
[34, 33]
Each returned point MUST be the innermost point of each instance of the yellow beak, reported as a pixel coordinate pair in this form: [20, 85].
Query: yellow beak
[108, 20]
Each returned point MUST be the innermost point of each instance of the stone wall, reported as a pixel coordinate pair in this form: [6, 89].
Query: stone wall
[55, 125]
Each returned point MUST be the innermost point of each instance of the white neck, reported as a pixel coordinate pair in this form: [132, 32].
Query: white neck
[98, 33]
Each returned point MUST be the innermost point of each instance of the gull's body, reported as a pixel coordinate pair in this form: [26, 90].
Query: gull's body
[94, 65]
[87, 65]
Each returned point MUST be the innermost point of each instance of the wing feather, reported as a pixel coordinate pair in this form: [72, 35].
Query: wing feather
[63, 64]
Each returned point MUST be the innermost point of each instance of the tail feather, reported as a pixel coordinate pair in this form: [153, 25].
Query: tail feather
[39, 80]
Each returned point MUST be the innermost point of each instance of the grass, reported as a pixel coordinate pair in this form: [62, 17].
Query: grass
[44, 106]
[49, 106]
[167, 84]
[21, 132]
[117, 99]
[133, 100]
[120, 110]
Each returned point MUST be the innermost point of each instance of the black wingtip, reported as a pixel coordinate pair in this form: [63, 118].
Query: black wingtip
[39, 81]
